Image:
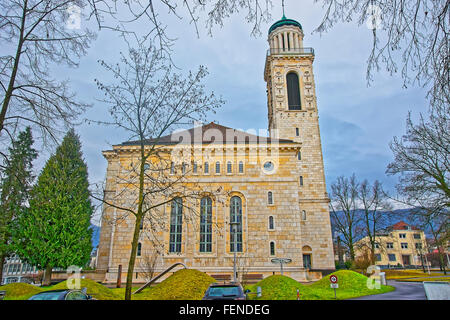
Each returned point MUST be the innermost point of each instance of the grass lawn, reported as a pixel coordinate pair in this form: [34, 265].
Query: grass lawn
[190, 284]
[425, 279]
[351, 285]
[404, 274]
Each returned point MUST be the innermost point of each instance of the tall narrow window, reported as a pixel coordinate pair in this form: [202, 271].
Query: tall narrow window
[217, 167]
[299, 155]
[241, 167]
[172, 168]
[206, 224]
[139, 249]
[229, 167]
[183, 168]
[297, 132]
[303, 215]
[206, 167]
[271, 224]
[194, 167]
[272, 248]
[301, 180]
[270, 197]
[235, 229]
[293, 89]
[176, 220]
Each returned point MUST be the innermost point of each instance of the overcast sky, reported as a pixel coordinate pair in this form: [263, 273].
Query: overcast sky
[356, 122]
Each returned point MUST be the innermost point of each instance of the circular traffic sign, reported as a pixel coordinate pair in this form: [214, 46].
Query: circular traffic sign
[333, 279]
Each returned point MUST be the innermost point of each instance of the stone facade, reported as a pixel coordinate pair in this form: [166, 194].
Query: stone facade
[296, 217]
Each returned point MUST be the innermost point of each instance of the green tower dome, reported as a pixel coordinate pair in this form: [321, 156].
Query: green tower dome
[284, 22]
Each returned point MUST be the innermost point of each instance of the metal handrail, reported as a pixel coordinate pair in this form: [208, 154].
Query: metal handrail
[159, 276]
[282, 51]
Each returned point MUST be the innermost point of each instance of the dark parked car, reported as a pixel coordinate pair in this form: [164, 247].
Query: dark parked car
[61, 295]
[230, 291]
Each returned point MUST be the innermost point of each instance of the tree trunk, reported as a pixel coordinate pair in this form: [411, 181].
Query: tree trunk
[48, 276]
[132, 260]
[2, 263]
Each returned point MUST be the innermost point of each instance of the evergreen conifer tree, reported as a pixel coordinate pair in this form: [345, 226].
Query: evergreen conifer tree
[15, 186]
[55, 230]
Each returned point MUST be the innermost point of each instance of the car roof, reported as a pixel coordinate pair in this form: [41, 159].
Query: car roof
[227, 284]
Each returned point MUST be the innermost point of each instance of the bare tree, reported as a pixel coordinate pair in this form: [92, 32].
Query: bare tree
[148, 101]
[148, 263]
[375, 211]
[421, 159]
[411, 36]
[344, 210]
[117, 15]
[34, 34]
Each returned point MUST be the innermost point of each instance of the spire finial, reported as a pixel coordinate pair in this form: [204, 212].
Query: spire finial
[284, 16]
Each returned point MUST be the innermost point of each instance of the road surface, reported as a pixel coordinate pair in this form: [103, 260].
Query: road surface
[403, 291]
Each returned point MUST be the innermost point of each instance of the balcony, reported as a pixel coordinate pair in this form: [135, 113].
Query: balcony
[293, 51]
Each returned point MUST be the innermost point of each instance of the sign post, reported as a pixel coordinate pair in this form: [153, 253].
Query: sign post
[334, 284]
[281, 261]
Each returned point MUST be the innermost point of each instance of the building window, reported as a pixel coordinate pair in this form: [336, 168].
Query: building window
[272, 248]
[303, 215]
[404, 245]
[217, 167]
[299, 156]
[378, 257]
[418, 245]
[416, 235]
[377, 246]
[176, 220]
[301, 180]
[229, 167]
[206, 167]
[206, 224]
[297, 132]
[172, 168]
[271, 224]
[139, 249]
[293, 89]
[307, 261]
[183, 168]
[241, 167]
[402, 235]
[270, 197]
[390, 245]
[236, 230]
[392, 257]
[141, 225]
[194, 167]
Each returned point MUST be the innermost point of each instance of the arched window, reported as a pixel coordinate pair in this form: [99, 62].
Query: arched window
[235, 229]
[206, 224]
[176, 225]
[272, 248]
[271, 225]
[303, 215]
[293, 89]
[139, 249]
[217, 167]
[241, 167]
[270, 197]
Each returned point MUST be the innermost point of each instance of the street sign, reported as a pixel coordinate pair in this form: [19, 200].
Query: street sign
[333, 279]
[334, 285]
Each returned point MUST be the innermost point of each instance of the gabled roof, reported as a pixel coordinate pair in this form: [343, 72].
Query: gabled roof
[211, 133]
[402, 225]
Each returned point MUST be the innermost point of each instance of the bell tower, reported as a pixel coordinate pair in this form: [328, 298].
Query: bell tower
[293, 115]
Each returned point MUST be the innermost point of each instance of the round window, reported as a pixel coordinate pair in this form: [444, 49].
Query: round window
[268, 166]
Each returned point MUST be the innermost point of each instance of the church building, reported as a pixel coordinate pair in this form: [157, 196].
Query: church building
[264, 197]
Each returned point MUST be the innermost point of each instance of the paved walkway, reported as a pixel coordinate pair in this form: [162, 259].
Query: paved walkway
[403, 291]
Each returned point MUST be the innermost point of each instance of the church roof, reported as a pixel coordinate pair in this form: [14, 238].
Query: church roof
[211, 133]
[284, 22]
